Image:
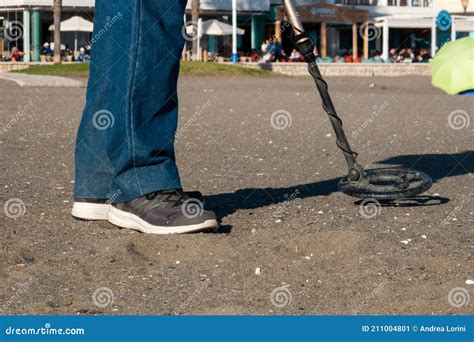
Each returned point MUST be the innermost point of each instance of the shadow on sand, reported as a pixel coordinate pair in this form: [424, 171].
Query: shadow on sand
[438, 166]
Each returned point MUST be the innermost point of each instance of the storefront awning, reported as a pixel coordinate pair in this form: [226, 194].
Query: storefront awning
[461, 23]
[406, 21]
[75, 24]
[215, 27]
[328, 13]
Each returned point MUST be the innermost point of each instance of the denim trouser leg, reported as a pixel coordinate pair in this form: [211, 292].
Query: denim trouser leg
[125, 143]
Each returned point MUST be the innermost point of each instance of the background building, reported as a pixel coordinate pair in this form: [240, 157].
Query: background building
[360, 27]
[25, 24]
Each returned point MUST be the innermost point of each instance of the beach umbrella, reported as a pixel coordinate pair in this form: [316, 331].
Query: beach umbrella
[75, 24]
[453, 67]
[215, 27]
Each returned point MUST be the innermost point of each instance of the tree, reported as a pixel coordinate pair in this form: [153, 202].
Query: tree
[196, 13]
[57, 8]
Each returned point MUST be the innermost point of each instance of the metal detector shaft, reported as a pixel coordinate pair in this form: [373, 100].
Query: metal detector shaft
[305, 46]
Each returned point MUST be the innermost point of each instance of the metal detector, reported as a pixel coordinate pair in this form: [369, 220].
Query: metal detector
[376, 183]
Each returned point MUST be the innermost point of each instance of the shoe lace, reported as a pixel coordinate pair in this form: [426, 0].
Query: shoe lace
[175, 196]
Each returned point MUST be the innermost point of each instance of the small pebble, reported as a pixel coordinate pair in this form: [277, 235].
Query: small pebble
[469, 282]
[258, 271]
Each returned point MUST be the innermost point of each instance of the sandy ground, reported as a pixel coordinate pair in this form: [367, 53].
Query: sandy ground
[290, 243]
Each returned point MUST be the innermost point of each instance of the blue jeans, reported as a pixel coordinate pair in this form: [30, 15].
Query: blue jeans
[125, 142]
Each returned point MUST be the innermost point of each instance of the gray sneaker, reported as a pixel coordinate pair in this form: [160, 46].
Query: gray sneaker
[163, 212]
[93, 209]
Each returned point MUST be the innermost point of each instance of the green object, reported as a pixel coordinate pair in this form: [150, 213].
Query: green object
[187, 69]
[36, 34]
[258, 28]
[453, 66]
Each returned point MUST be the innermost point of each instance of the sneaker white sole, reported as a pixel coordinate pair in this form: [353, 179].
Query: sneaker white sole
[128, 220]
[90, 211]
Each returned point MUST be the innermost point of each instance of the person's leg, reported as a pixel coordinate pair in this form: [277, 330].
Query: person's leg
[125, 143]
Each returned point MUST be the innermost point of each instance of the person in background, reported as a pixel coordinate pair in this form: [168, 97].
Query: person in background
[16, 55]
[279, 54]
[316, 52]
[393, 55]
[264, 46]
[255, 56]
[410, 56]
[378, 57]
[423, 56]
[83, 56]
[406, 56]
[348, 58]
[68, 53]
[47, 50]
[268, 55]
[295, 56]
